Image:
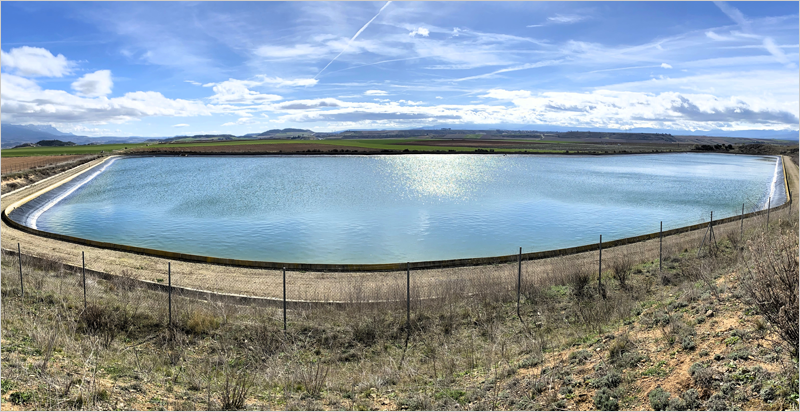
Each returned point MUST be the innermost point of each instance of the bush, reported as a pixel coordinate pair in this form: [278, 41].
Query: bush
[618, 347]
[702, 376]
[771, 283]
[621, 268]
[659, 399]
[604, 400]
[688, 343]
[677, 404]
[579, 280]
[717, 403]
[610, 380]
[580, 356]
[235, 388]
[692, 399]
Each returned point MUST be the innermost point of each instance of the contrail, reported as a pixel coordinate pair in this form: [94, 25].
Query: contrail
[354, 37]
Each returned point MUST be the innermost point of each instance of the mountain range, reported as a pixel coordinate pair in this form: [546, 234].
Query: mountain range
[13, 134]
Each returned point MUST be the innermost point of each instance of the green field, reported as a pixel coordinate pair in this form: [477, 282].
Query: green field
[375, 144]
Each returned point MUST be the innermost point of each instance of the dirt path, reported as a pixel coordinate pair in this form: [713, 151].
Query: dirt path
[347, 287]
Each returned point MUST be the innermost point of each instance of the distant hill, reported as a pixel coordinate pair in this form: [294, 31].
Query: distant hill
[286, 133]
[15, 134]
[54, 143]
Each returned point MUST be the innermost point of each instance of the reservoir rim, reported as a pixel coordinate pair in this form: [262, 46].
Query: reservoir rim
[449, 263]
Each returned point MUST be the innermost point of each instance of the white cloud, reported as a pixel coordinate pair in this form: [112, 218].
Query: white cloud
[279, 82]
[666, 66]
[774, 50]
[23, 101]
[237, 91]
[36, 61]
[714, 36]
[501, 94]
[241, 121]
[180, 125]
[296, 51]
[375, 93]
[421, 31]
[194, 82]
[566, 18]
[439, 97]
[94, 84]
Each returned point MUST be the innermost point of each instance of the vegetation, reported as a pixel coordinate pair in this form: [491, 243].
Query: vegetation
[569, 348]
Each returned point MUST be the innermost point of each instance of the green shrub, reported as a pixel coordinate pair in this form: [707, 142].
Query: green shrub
[717, 403]
[677, 404]
[605, 400]
[610, 380]
[580, 356]
[19, 398]
[688, 343]
[659, 399]
[692, 399]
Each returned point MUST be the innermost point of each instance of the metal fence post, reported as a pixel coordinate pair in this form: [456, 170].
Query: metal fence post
[21, 283]
[741, 229]
[660, 243]
[769, 205]
[519, 278]
[600, 267]
[83, 265]
[169, 286]
[408, 296]
[284, 298]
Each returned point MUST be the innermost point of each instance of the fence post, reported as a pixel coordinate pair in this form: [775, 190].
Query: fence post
[408, 296]
[169, 286]
[769, 205]
[660, 242]
[83, 266]
[600, 267]
[21, 284]
[741, 229]
[284, 298]
[519, 278]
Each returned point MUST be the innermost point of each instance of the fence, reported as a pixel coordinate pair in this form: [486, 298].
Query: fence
[177, 294]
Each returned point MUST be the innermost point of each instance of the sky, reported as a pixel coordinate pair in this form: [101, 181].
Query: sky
[185, 68]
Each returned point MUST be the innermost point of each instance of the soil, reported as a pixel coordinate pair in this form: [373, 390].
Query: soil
[13, 164]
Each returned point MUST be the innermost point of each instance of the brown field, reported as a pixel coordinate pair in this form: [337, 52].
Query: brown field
[14, 164]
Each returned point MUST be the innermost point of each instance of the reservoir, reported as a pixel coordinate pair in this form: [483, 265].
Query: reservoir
[397, 208]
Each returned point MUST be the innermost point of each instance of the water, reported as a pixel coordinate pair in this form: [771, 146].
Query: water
[378, 209]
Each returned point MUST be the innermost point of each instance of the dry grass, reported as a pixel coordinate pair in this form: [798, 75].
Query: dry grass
[463, 351]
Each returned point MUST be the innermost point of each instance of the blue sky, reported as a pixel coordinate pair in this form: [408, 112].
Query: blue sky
[163, 69]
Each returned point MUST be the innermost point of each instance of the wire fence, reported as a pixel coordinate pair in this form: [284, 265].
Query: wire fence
[175, 296]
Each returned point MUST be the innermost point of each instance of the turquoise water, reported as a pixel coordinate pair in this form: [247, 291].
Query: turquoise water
[376, 209]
